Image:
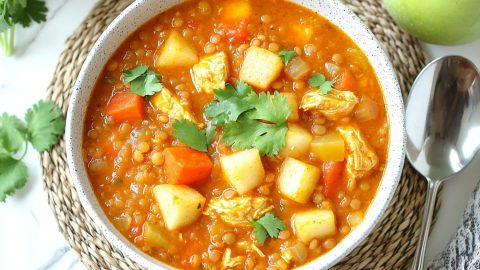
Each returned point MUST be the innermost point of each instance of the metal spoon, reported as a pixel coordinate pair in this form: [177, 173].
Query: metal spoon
[443, 128]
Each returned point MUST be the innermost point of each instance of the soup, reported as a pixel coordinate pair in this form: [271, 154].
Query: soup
[236, 135]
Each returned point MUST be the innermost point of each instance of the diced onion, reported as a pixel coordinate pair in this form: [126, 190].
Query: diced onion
[332, 69]
[297, 68]
[366, 110]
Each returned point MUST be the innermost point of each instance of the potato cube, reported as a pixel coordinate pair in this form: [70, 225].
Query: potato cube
[210, 73]
[243, 170]
[260, 67]
[312, 224]
[234, 11]
[176, 52]
[303, 34]
[180, 205]
[297, 141]
[297, 180]
[165, 102]
[329, 147]
[293, 103]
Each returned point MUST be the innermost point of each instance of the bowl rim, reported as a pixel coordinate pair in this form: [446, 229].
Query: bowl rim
[392, 173]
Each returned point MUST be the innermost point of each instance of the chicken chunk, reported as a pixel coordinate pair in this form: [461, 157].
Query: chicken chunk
[167, 103]
[361, 159]
[230, 262]
[210, 73]
[334, 105]
[239, 211]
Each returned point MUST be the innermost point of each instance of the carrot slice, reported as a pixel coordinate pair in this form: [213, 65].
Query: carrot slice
[185, 166]
[332, 173]
[126, 106]
[346, 81]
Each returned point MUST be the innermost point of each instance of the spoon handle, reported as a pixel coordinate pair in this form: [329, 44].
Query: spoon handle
[427, 220]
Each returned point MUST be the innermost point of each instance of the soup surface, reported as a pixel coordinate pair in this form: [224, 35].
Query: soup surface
[236, 135]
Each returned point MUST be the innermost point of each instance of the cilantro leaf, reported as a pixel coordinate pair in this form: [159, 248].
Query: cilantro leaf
[22, 12]
[132, 74]
[260, 233]
[268, 225]
[189, 133]
[270, 108]
[248, 133]
[250, 120]
[319, 80]
[44, 125]
[12, 135]
[231, 103]
[33, 11]
[286, 56]
[143, 81]
[13, 175]
[210, 132]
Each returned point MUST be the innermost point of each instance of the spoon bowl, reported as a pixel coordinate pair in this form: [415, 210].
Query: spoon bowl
[443, 127]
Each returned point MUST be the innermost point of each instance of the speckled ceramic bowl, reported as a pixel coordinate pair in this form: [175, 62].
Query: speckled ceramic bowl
[143, 10]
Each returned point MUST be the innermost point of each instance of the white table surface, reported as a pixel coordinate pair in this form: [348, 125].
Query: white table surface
[29, 236]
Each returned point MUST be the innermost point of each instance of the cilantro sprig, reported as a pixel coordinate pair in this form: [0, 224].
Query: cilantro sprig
[250, 120]
[267, 226]
[189, 133]
[286, 56]
[319, 80]
[143, 81]
[43, 124]
[23, 12]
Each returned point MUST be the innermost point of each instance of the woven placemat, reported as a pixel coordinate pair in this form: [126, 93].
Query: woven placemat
[390, 246]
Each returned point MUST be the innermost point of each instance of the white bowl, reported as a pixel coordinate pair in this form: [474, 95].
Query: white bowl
[141, 11]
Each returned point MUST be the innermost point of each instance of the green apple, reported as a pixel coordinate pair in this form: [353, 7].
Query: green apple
[445, 22]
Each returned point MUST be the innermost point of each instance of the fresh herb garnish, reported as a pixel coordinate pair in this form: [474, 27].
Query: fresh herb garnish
[286, 56]
[319, 80]
[250, 120]
[143, 81]
[267, 226]
[43, 124]
[231, 103]
[189, 133]
[22, 12]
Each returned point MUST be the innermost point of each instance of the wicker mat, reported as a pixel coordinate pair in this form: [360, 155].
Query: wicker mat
[390, 246]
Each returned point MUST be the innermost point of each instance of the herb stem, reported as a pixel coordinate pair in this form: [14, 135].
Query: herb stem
[7, 40]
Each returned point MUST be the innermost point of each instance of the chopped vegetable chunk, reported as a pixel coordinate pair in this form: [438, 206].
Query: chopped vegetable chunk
[332, 174]
[297, 142]
[297, 180]
[243, 170]
[297, 68]
[176, 52]
[361, 159]
[312, 224]
[260, 67]
[154, 237]
[293, 103]
[329, 147]
[211, 73]
[185, 166]
[235, 10]
[180, 205]
[126, 106]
